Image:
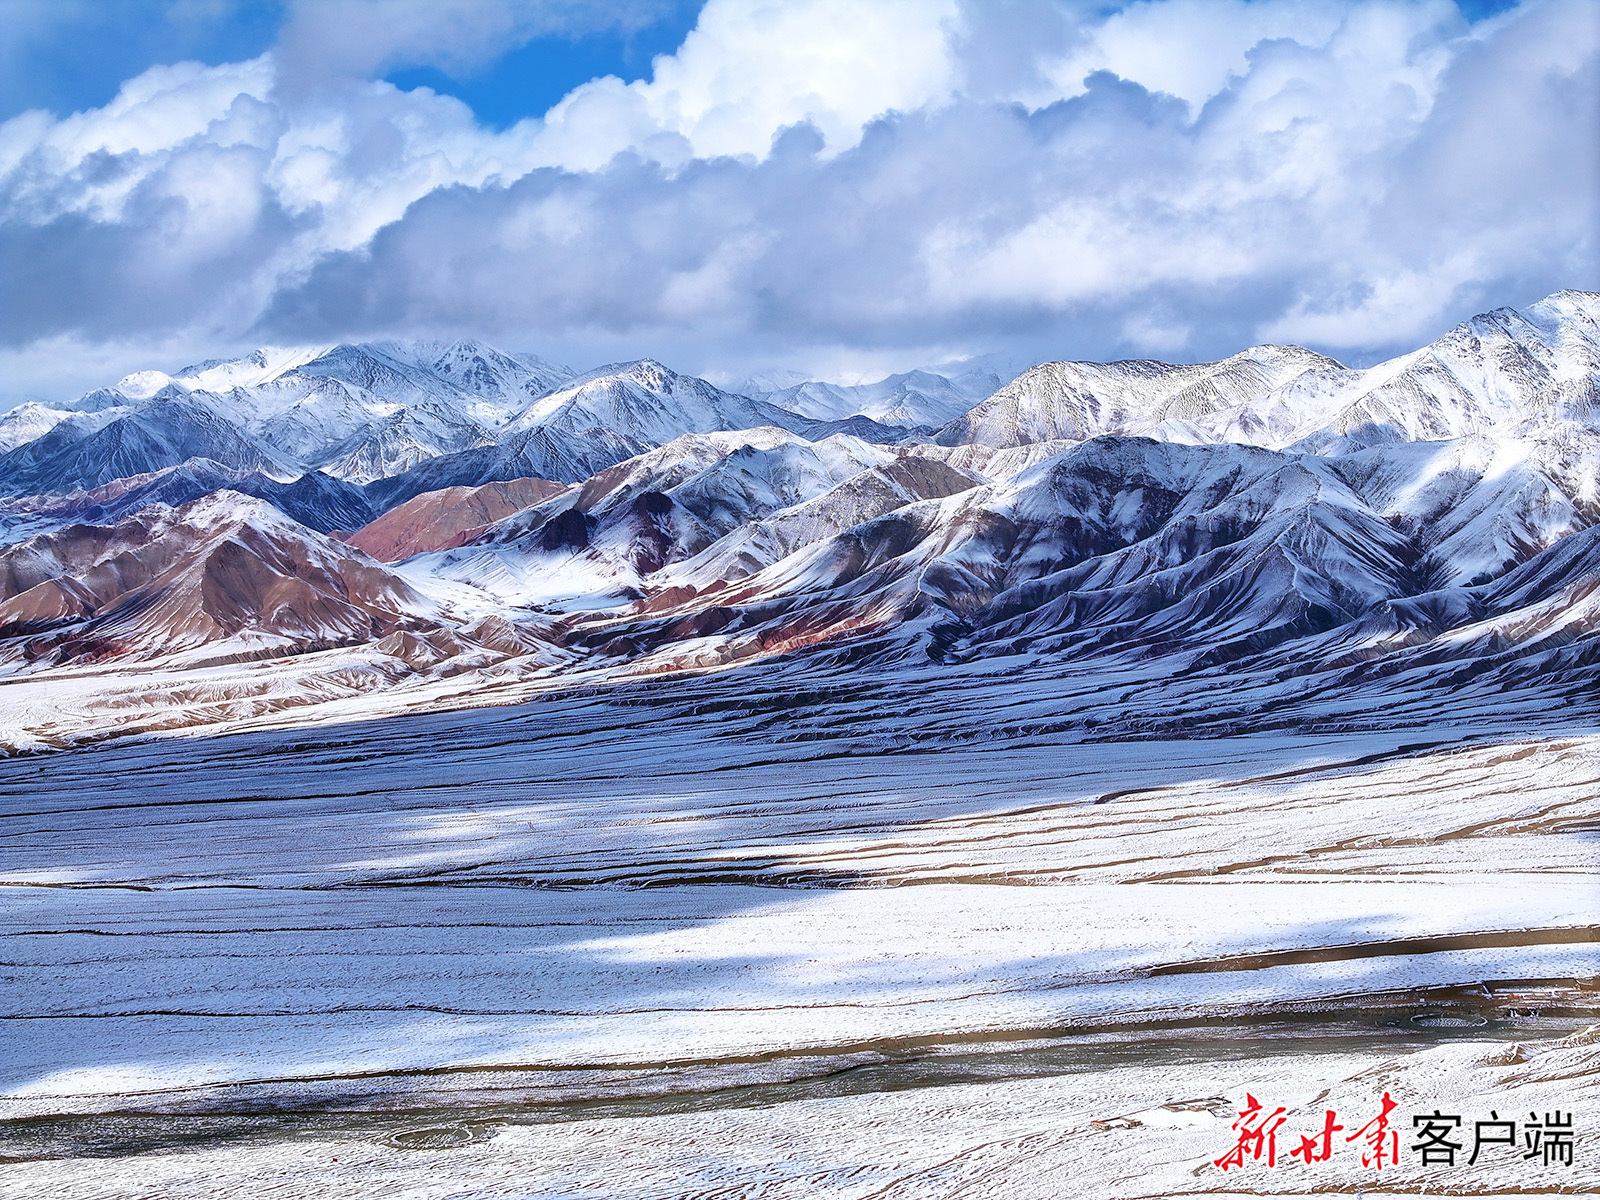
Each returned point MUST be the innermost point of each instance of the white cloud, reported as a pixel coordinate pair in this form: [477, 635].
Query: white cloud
[752, 67]
[1192, 48]
[48, 165]
[1353, 174]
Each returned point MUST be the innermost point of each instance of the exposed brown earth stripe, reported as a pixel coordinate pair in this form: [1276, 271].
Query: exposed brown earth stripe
[449, 517]
[1443, 943]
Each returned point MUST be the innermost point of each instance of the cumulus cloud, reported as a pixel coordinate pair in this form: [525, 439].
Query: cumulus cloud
[751, 68]
[806, 179]
[1191, 48]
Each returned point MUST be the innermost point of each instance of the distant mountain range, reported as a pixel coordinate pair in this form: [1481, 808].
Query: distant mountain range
[913, 399]
[454, 508]
[1503, 372]
[408, 417]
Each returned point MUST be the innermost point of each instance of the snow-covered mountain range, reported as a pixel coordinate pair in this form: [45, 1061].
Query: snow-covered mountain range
[455, 509]
[358, 413]
[913, 398]
[1519, 373]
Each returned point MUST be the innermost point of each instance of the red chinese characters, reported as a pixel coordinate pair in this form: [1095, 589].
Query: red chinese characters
[1256, 1133]
[1319, 1148]
[1383, 1143]
[1551, 1141]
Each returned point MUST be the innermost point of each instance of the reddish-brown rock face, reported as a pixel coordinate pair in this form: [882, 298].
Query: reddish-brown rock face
[447, 518]
[171, 579]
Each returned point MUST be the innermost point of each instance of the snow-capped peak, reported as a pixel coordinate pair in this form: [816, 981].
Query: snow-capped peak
[141, 385]
[254, 369]
[642, 400]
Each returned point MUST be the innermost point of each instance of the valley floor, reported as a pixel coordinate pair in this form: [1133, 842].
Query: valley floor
[781, 934]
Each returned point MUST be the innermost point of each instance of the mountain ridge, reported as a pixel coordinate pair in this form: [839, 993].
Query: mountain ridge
[1272, 516]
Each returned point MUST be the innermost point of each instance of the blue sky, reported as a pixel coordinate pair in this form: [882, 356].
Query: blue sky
[529, 79]
[70, 55]
[843, 188]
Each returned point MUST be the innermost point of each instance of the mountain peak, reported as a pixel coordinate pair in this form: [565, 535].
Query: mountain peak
[1275, 352]
[226, 507]
[141, 385]
[260, 366]
[646, 372]
[1567, 305]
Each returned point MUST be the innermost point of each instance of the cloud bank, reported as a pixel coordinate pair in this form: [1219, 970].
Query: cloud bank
[821, 182]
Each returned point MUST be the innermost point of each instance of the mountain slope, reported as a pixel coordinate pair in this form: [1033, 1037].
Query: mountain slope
[596, 421]
[635, 517]
[503, 384]
[637, 405]
[1078, 400]
[1272, 515]
[164, 431]
[765, 539]
[356, 411]
[314, 500]
[29, 421]
[1507, 371]
[360, 412]
[1117, 544]
[446, 518]
[224, 567]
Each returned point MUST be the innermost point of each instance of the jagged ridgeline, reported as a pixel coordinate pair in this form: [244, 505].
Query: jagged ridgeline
[433, 511]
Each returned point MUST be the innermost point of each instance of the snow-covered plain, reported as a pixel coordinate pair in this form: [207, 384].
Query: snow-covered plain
[778, 932]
